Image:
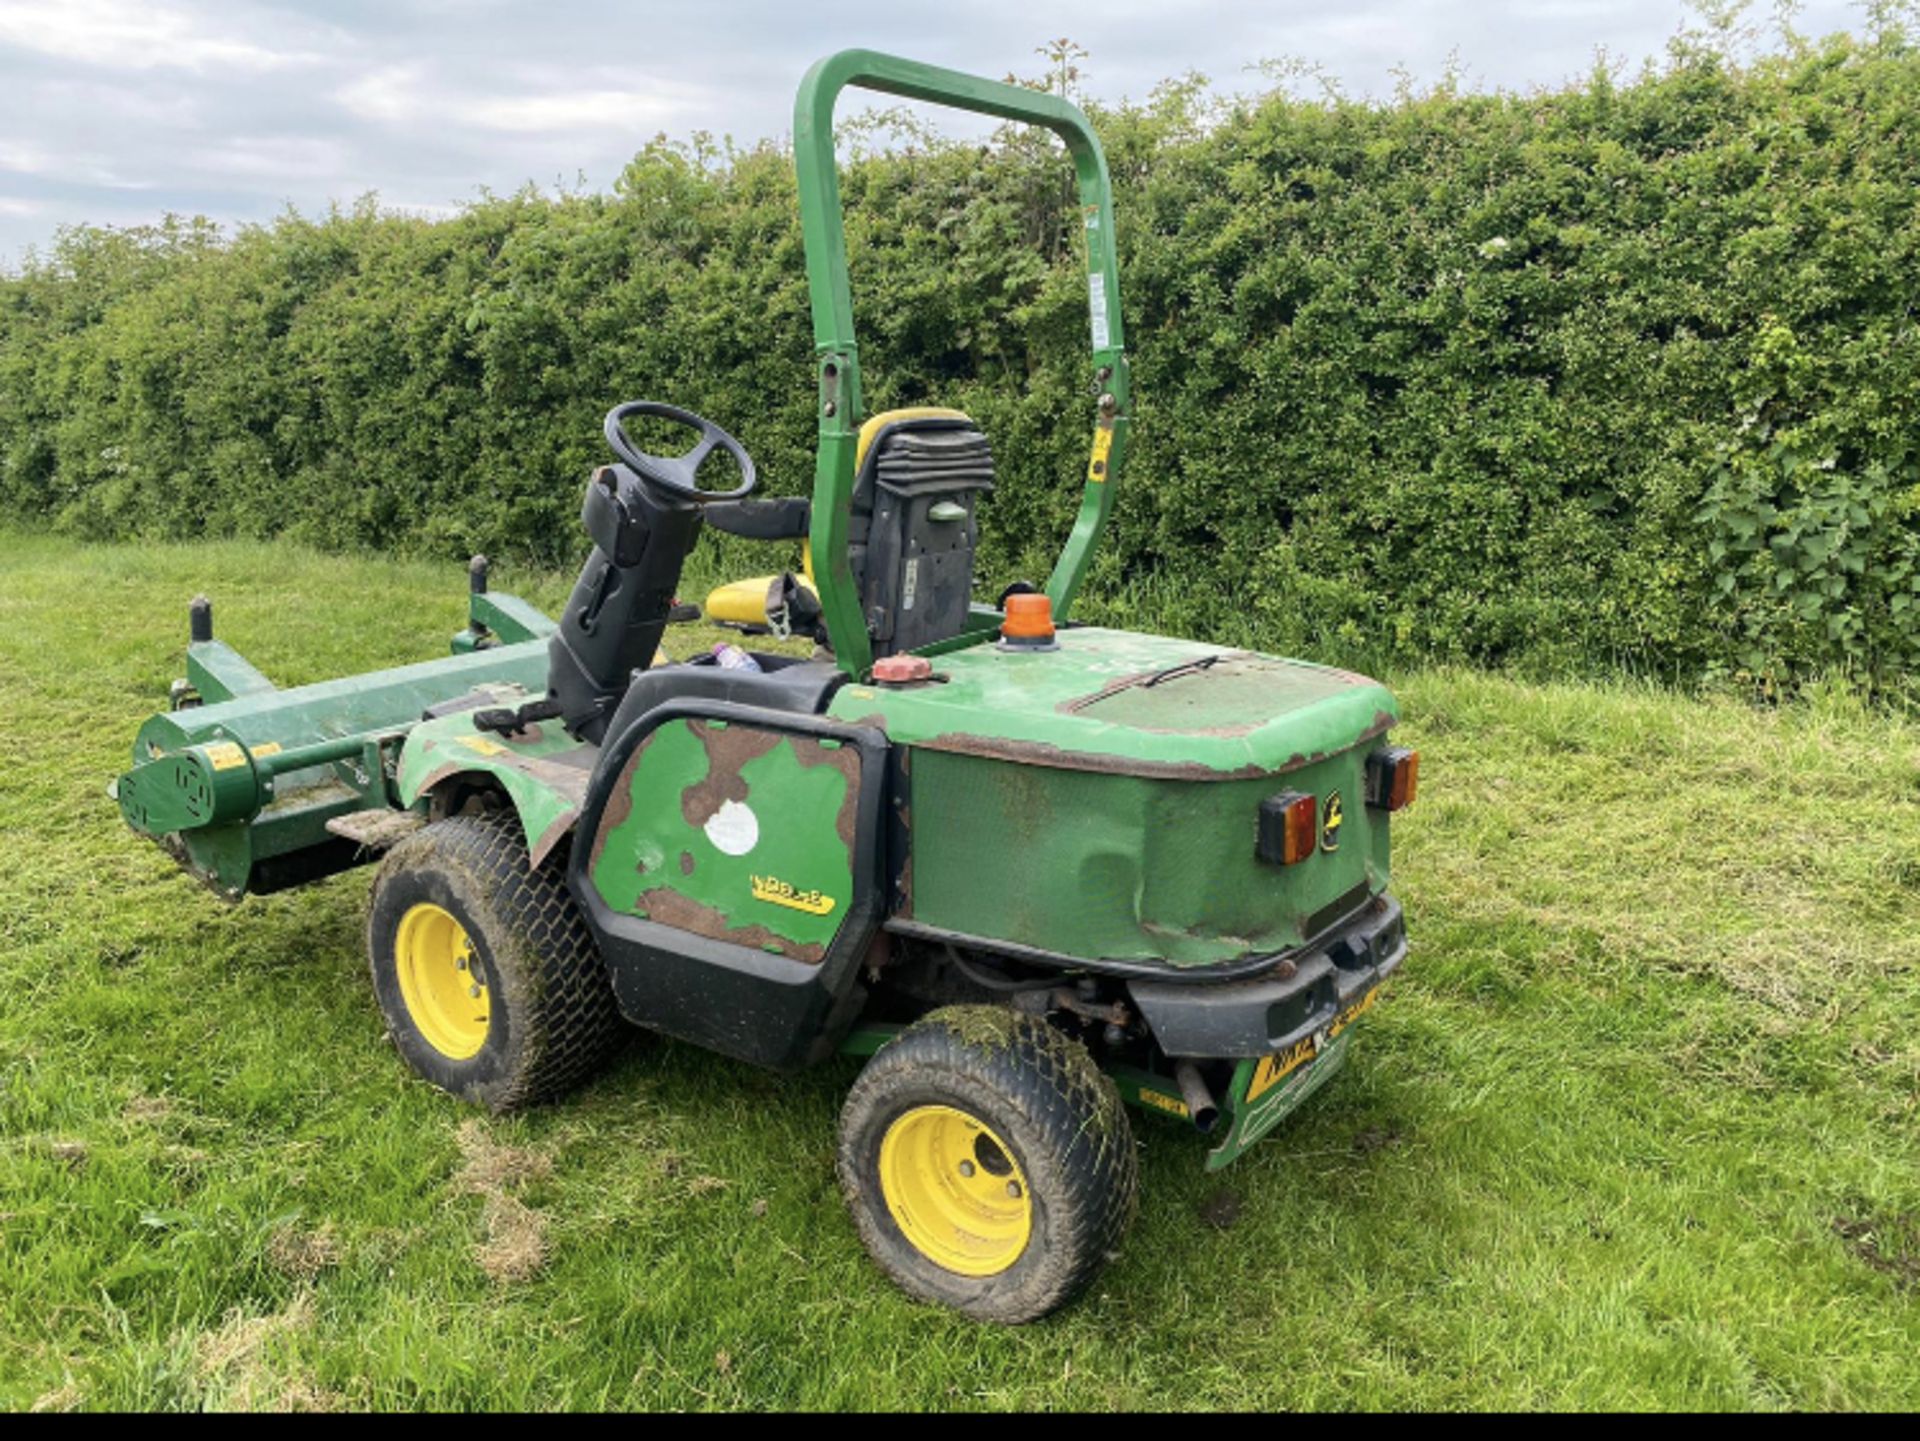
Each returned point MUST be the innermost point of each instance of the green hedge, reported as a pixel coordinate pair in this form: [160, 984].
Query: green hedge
[1621, 375]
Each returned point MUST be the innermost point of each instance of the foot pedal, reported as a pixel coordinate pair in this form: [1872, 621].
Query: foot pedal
[377, 829]
[507, 722]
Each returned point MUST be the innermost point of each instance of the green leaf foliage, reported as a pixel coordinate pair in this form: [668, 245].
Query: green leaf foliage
[1621, 375]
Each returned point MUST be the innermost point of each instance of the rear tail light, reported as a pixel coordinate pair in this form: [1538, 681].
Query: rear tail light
[1393, 775]
[1289, 828]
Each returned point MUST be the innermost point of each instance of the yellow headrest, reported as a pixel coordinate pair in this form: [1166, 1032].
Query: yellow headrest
[880, 422]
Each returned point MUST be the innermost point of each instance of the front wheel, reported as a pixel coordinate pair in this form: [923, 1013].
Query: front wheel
[988, 1163]
[491, 984]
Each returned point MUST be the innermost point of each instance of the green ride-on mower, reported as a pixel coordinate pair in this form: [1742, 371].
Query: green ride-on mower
[1035, 870]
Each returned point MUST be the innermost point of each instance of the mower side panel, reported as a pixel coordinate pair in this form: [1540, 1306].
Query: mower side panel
[729, 863]
[734, 832]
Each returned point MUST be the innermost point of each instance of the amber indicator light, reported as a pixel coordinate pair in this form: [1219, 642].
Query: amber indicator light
[1028, 617]
[1393, 775]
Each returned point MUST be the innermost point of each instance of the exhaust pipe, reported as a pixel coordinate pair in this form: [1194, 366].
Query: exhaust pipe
[1200, 1102]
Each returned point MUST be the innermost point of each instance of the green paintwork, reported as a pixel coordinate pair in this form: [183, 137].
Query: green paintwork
[1156, 1094]
[217, 672]
[500, 619]
[284, 808]
[544, 771]
[841, 407]
[1270, 714]
[701, 791]
[867, 1038]
[1250, 1121]
[1102, 800]
[1246, 1123]
[1117, 867]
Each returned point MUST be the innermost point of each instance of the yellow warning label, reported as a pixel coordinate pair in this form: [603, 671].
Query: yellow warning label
[780, 893]
[225, 755]
[1281, 1064]
[1162, 1103]
[271, 748]
[483, 745]
[1102, 447]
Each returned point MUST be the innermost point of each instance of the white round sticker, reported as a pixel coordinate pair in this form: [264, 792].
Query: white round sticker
[733, 829]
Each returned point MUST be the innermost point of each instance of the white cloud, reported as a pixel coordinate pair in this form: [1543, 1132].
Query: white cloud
[411, 95]
[116, 111]
[283, 157]
[571, 110]
[26, 159]
[74, 166]
[131, 35]
[390, 95]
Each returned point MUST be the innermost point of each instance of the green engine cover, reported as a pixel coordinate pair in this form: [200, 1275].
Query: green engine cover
[1102, 800]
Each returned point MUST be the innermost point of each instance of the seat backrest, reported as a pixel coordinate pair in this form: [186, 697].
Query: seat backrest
[917, 474]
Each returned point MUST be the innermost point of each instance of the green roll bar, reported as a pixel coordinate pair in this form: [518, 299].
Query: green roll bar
[837, 353]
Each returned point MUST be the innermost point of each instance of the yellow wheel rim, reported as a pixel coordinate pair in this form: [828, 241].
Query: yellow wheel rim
[955, 1191]
[441, 984]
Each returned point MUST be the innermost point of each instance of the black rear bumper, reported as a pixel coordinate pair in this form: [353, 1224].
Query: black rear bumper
[1299, 997]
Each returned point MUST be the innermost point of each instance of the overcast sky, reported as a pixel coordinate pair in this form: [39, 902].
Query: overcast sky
[117, 111]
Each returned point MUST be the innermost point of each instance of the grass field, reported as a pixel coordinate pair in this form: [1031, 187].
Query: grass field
[1637, 1125]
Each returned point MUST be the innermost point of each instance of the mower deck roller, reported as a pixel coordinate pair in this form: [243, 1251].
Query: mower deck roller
[241, 779]
[1035, 870]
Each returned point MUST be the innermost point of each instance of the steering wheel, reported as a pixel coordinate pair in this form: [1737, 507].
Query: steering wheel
[675, 474]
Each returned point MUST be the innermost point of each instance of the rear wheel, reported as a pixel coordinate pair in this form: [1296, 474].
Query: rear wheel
[490, 982]
[988, 1163]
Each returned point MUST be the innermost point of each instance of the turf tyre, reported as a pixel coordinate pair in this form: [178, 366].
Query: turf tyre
[1060, 1116]
[554, 1020]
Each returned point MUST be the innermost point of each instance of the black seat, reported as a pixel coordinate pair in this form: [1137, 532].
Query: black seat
[783, 683]
[914, 531]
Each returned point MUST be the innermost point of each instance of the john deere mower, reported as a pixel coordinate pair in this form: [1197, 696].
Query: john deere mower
[1035, 871]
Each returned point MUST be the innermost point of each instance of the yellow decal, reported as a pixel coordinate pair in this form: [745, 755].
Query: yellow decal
[1162, 1103]
[483, 745]
[814, 903]
[1330, 828]
[1353, 1013]
[1281, 1064]
[1276, 1068]
[271, 748]
[225, 755]
[1102, 444]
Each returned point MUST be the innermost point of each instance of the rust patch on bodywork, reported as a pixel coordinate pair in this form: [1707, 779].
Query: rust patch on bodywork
[557, 831]
[1041, 753]
[620, 803]
[558, 772]
[686, 863]
[729, 749]
[670, 908]
[439, 773]
[570, 782]
[845, 759]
